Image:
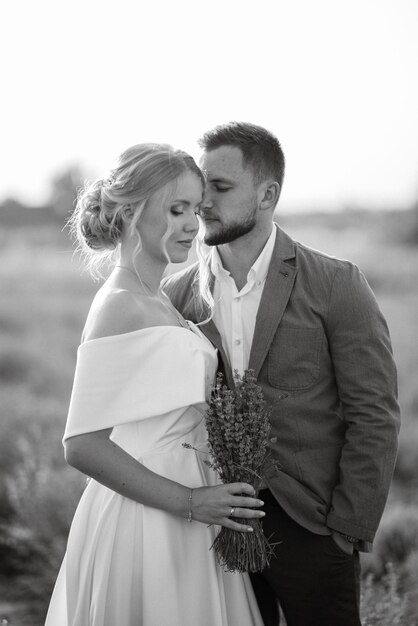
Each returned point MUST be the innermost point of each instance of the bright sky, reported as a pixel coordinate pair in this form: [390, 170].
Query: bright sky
[335, 80]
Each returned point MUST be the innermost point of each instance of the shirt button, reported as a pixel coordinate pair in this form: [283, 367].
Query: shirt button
[237, 342]
[238, 298]
[273, 439]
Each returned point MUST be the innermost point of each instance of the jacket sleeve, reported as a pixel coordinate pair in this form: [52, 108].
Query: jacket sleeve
[366, 378]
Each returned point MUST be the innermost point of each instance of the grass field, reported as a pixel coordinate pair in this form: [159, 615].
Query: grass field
[44, 300]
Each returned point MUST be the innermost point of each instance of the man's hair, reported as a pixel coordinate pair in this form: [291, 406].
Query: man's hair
[260, 149]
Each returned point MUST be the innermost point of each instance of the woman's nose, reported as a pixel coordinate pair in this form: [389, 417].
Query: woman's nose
[192, 224]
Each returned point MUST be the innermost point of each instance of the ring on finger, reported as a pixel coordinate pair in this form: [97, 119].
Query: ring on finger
[232, 511]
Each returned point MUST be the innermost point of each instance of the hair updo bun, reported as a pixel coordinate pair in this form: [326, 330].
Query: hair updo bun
[99, 223]
[109, 209]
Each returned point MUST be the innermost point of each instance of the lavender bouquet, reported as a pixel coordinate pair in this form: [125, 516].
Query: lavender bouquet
[238, 426]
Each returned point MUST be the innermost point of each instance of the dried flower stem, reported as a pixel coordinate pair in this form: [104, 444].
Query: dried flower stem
[238, 426]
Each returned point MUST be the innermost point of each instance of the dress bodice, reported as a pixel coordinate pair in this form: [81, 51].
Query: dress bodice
[127, 381]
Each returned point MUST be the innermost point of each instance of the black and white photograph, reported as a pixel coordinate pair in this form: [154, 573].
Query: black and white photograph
[209, 313]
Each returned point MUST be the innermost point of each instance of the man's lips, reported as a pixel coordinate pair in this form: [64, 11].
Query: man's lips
[207, 218]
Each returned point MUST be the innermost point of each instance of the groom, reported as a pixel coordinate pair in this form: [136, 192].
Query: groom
[310, 327]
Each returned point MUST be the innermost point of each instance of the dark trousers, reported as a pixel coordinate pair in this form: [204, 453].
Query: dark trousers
[316, 583]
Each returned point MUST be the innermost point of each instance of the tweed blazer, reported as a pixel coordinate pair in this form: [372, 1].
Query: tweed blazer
[322, 355]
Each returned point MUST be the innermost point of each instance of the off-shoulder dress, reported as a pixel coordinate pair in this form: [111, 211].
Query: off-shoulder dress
[128, 564]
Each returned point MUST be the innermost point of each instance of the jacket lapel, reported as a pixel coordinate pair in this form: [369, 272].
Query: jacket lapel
[211, 332]
[277, 289]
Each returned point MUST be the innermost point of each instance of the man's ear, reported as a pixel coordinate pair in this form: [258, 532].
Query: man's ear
[270, 192]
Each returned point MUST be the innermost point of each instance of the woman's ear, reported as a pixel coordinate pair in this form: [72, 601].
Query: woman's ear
[270, 195]
[128, 211]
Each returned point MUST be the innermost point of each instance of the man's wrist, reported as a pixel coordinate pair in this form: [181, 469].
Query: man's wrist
[349, 538]
[342, 543]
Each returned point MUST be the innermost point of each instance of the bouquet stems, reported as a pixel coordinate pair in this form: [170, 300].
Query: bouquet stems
[238, 426]
[243, 552]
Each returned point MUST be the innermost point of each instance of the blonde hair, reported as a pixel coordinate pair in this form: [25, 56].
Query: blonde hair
[107, 209]
[205, 277]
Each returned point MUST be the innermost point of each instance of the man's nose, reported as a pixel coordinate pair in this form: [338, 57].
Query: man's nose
[207, 202]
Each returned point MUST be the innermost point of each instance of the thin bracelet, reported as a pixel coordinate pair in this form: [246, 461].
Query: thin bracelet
[189, 516]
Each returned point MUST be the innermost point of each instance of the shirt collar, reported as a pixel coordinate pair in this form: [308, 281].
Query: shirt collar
[259, 269]
[261, 265]
[216, 266]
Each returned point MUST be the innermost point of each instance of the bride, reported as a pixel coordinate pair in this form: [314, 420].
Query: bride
[139, 546]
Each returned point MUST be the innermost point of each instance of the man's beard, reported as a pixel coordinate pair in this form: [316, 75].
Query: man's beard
[231, 232]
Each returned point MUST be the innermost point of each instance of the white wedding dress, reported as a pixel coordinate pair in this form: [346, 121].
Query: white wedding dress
[128, 564]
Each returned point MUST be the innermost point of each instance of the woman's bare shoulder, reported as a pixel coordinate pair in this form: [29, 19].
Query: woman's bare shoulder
[117, 311]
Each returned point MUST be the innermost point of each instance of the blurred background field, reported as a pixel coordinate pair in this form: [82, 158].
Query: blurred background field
[44, 300]
[81, 81]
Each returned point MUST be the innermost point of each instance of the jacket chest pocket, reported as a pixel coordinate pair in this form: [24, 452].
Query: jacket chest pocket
[293, 361]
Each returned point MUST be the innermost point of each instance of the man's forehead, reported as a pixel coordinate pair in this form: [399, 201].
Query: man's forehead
[225, 160]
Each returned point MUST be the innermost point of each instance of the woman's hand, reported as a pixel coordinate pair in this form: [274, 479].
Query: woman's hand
[97, 456]
[220, 504]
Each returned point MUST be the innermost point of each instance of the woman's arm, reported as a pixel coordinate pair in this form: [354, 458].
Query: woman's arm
[96, 455]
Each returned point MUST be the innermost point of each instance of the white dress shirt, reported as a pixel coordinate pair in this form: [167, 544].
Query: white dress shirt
[235, 311]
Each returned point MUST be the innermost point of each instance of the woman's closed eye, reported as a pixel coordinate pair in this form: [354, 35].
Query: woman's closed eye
[178, 208]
